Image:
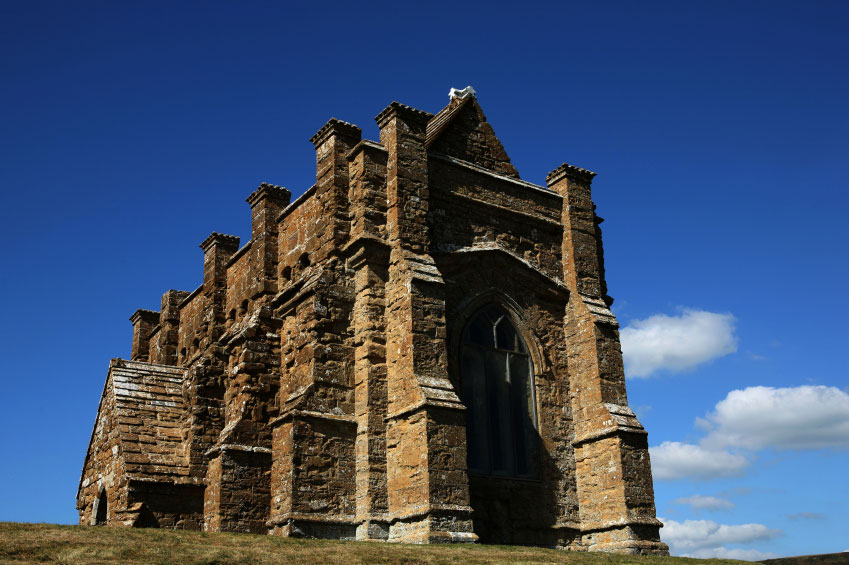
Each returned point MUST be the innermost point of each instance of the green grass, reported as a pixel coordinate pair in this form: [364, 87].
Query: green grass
[48, 543]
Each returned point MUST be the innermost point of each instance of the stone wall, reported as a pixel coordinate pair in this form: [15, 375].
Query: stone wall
[103, 471]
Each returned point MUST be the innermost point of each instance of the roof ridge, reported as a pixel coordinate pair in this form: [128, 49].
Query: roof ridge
[118, 362]
[437, 124]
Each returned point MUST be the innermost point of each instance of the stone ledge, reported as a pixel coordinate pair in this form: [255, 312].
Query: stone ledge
[599, 310]
[427, 509]
[622, 522]
[491, 173]
[308, 517]
[366, 248]
[366, 144]
[236, 447]
[341, 418]
[183, 480]
[547, 224]
[458, 253]
[422, 405]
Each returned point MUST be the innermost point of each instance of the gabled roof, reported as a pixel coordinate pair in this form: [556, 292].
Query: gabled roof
[442, 118]
[460, 130]
[151, 417]
[145, 403]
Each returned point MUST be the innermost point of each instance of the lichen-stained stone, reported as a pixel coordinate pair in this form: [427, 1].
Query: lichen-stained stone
[329, 378]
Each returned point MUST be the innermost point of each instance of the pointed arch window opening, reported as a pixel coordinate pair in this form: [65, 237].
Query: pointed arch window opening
[101, 509]
[498, 389]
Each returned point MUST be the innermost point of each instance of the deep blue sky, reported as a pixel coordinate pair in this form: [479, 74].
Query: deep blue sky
[130, 131]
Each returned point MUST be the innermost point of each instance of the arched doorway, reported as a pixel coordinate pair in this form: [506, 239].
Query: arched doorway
[100, 509]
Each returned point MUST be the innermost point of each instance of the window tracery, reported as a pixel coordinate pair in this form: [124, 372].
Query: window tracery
[496, 372]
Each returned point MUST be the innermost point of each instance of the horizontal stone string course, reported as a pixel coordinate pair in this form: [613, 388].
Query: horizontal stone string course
[419, 348]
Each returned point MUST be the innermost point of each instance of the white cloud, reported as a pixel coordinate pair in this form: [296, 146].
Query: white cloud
[733, 553]
[676, 460]
[676, 343]
[803, 417]
[706, 538]
[701, 502]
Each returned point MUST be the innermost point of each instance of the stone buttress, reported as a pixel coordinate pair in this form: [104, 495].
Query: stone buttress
[426, 456]
[613, 471]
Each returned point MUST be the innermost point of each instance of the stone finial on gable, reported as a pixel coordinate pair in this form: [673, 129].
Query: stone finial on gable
[461, 93]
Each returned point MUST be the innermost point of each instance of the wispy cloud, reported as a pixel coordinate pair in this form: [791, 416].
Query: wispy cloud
[806, 516]
[706, 538]
[676, 460]
[737, 491]
[642, 409]
[676, 343]
[722, 552]
[802, 417]
[701, 502]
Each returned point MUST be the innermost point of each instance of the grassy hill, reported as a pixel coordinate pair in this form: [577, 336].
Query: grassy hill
[48, 543]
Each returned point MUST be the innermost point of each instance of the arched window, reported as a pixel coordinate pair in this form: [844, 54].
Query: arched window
[100, 509]
[498, 391]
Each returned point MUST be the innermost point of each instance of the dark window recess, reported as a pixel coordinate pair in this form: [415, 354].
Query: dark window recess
[101, 511]
[498, 390]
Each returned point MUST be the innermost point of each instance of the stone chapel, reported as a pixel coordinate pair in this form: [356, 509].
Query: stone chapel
[419, 348]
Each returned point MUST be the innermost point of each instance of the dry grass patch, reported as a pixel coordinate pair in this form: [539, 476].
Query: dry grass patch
[47, 543]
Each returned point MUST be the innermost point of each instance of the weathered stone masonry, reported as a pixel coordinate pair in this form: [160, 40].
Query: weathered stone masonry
[321, 380]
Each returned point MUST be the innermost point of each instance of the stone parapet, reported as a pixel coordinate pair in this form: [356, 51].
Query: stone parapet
[416, 118]
[571, 172]
[229, 243]
[335, 127]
